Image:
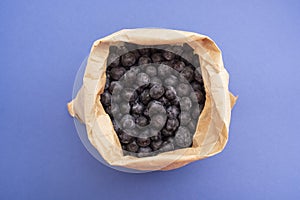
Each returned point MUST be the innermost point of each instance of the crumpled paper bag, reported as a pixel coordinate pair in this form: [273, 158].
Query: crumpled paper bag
[212, 129]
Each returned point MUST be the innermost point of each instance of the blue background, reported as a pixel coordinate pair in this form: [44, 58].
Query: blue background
[42, 44]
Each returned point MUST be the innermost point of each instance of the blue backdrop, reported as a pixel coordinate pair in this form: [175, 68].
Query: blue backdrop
[42, 44]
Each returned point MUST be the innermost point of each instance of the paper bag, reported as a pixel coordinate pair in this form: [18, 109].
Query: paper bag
[211, 133]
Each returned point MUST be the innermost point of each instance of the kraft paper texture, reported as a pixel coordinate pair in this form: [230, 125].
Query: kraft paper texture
[212, 129]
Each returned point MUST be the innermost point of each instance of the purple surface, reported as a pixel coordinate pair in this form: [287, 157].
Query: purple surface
[42, 44]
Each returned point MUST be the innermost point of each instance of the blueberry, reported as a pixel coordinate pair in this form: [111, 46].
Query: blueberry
[155, 107]
[158, 121]
[163, 70]
[172, 124]
[168, 55]
[145, 97]
[142, 121]
[200, 97]
[115, 111]
[193, 96]
[185, 118]
[183, 90]
[178, 65]
[116, 98]
[188, 73]
[151, 71]
[157, 91]
[127, 122]
[136, 53]
[171, 80]
[132, 147]
[155, 145]
[156, 80]
[183, 137]
[170, 93]
[124, 108]
[121, 50]
[117, 72]
[128, 59]
[105, 99]
[196, 85]
[144, 60]
[143, 141]
[130, 75]
[198, 75]
[115, 86]
[137, 108]
[157, 57]
[143, 79]
[185, 104]
[125, 138]
[173, 112]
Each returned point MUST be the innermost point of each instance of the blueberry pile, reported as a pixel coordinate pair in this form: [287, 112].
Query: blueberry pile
[154, 96]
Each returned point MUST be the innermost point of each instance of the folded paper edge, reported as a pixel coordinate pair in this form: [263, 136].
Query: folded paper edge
[70, 108]
[233, 100]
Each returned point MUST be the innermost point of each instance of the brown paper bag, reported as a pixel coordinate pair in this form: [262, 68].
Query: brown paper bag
[212, 129]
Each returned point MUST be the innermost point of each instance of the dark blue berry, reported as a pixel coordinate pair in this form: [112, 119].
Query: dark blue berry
[106, 98]
[132, 147]
[172, 124]
[157, 91]
[143, 141]
[117, 72]
[183, 137]
[144, 60]
[128, 59]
